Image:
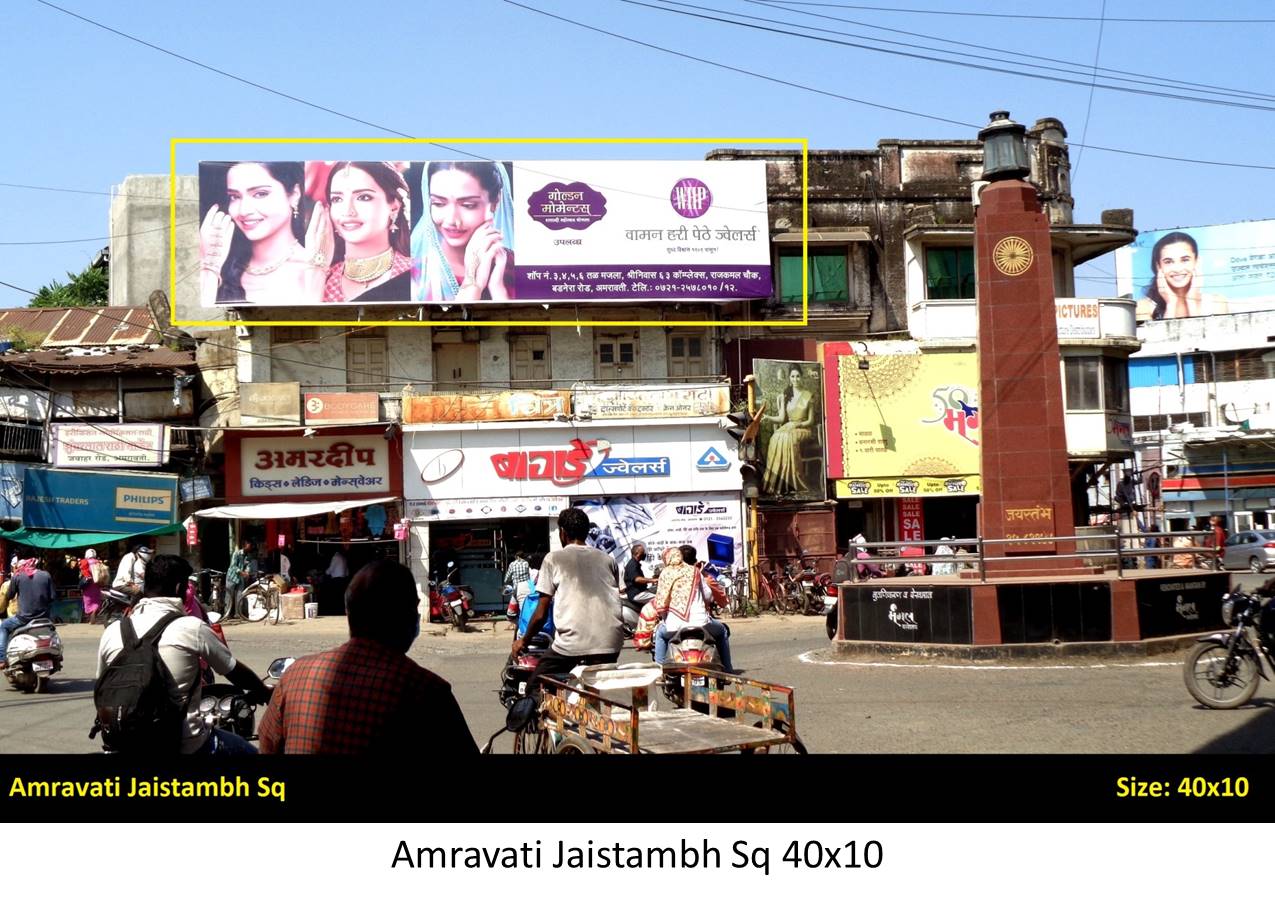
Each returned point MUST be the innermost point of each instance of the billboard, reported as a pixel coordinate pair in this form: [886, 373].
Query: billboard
[1198, 271]
[661, 521]
[908, 425]
[509, 405]
[652, 401]
[311, 233]
[790, 443]
[108, 501]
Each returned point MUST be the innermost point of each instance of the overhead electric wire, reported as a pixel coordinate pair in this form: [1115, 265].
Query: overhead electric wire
[855, 100]
[99, 238]
[933, 59]
[1033, 59]
[1084, 132]
[1033, 56]
[1158, 20]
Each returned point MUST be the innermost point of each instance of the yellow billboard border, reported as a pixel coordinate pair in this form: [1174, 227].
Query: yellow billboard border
[172, 231]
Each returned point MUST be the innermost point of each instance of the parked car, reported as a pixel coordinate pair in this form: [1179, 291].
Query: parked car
[1251, 549]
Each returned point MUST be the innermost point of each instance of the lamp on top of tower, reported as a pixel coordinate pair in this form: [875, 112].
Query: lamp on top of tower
[1004, 149]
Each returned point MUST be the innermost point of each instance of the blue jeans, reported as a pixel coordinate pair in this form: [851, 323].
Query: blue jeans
[8, 625]
[225, 743]
[715, 629]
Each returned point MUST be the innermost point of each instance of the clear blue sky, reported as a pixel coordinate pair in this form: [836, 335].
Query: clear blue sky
[85, 108]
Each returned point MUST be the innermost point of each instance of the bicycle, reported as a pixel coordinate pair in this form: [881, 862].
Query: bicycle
[261, 600]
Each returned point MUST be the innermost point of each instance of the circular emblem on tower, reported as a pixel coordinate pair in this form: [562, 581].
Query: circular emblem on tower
[1012, 256]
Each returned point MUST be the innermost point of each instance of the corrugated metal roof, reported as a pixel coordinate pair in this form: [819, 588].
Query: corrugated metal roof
[72, 327]
[63, 327]
[114, 361]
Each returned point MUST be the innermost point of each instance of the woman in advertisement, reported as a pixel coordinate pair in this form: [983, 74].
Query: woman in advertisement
[1177, 286]
[794, 431]
[367, 207]
[462, 244]
[252, 250]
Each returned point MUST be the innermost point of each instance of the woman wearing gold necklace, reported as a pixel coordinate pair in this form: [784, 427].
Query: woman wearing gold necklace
[250, 242]
[367, 205]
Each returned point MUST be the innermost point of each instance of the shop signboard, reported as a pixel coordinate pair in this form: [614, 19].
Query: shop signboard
[661, 521]
[109, 445]
[910, 419]
[580, 461]
[121, 501]
[1078, 318]
[610, 402]
[342, 408]
[331, 464]
[903, 487]
[511, 405]
[904, 613]
[569, 230]
[11, 490]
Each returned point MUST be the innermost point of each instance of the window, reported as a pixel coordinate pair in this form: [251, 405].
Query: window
[686, 355]
[283, 335]
[949, 273]
[529, 361]
[616, 356]
[1115, 385]
[1082, 384]
[1094, 383]
[828, 275]
[365, 353]
[1152, 372]
[1145, 423]
[1232, 366]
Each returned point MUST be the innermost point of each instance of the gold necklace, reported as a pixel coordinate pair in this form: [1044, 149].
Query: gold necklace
[366, 269]
[270, 268]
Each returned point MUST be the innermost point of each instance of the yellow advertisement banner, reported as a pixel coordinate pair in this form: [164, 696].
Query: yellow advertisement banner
[907, 414]
[514, 405]
[894, 487]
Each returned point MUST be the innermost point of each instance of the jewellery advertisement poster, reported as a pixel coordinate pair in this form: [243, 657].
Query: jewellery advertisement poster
[300, 233]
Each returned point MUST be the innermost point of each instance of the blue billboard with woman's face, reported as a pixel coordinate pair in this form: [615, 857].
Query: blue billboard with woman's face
[1200, 270]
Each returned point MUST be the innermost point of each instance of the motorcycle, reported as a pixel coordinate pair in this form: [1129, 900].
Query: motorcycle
[34, 656]
[226, 706]
[452, 602]
[115, 602]
[1222, 670]
[517, 671]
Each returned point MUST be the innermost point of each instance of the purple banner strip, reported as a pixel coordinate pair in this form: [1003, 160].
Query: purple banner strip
[595, 282]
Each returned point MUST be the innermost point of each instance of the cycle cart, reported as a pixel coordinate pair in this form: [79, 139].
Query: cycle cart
[713, 713]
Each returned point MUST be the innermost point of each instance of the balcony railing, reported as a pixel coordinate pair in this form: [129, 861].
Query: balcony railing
[22, 441]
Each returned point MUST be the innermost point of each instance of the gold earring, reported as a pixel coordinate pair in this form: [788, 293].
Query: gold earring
[295, 212]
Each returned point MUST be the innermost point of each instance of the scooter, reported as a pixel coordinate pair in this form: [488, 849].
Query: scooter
[34, 656]
[115, 602]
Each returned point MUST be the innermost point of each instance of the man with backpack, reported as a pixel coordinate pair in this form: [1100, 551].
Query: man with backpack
[147, 693]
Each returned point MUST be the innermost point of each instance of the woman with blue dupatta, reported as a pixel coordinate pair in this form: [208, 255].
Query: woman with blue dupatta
[462, 247]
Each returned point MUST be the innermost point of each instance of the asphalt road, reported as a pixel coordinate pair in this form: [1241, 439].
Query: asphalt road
[879, 706]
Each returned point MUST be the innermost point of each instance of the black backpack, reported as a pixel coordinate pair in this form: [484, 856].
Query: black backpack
[139, 709]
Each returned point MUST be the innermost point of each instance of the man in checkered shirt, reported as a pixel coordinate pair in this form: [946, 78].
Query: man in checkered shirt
[367, 696]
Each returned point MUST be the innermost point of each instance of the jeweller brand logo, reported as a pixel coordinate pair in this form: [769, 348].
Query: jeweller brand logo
[1187, 609]
[904, 620]
[691, 198]
[566, 206]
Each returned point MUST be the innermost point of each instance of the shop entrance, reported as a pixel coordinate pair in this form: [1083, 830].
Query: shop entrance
[482, 551]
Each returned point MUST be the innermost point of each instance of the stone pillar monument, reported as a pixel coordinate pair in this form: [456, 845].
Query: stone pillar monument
[1026, 480]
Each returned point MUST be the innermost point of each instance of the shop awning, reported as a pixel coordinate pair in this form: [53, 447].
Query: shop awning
[265, 511]
[43, 538]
